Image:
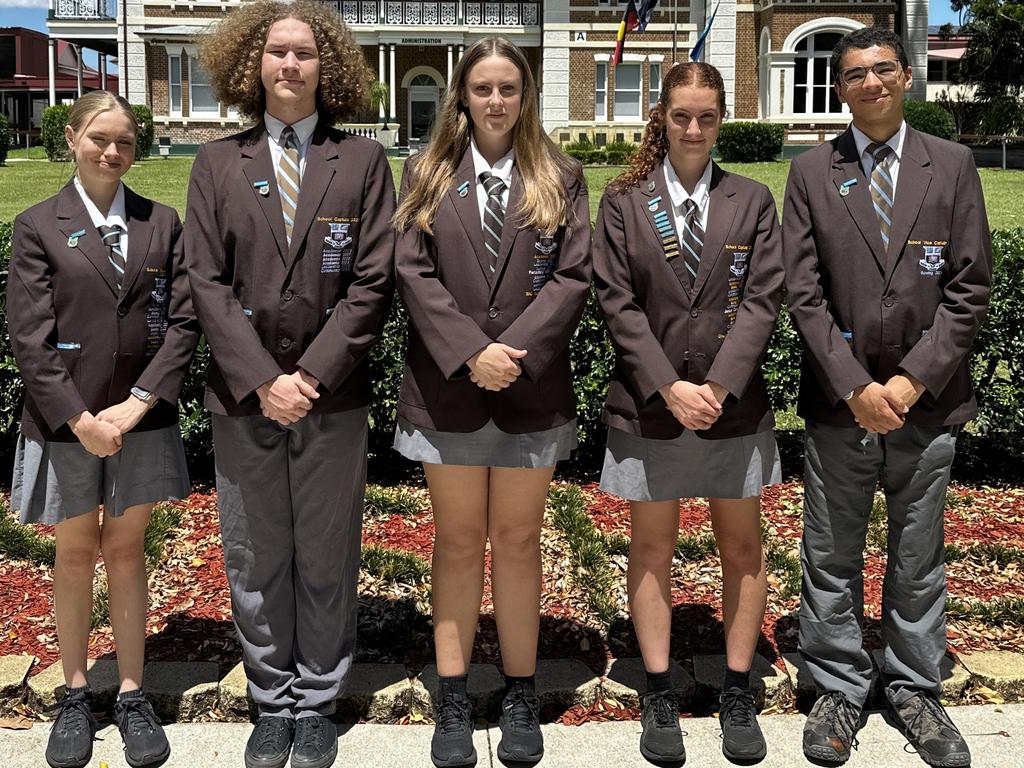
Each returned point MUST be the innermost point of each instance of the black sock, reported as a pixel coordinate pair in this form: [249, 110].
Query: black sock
[734, 679]
[136, 694]
[84, 689]
[528, 684]
[454, 684]
[659, 682]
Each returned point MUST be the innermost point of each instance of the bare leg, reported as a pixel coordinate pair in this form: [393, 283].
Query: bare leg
[655, 527]
[78, 545]
[125, 561]
[737, 526]
[458, 495]
[514, 519]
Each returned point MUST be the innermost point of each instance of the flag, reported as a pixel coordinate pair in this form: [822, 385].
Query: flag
[644, 17]
[698, 48]
[628, 24]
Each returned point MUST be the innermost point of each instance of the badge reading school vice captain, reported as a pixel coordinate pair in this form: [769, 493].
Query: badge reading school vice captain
[737, 277]
[544, 261]
[337, 251]
[156, 312]
[932, 260]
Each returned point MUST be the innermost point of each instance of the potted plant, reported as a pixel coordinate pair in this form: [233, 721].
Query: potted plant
[380, 99]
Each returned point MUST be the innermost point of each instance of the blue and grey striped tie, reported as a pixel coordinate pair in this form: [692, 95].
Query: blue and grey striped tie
[494, 216]
[883, 191]
[112, 239]
[692, 240]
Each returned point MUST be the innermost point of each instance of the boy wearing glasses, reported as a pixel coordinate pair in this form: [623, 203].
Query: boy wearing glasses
[888, 270]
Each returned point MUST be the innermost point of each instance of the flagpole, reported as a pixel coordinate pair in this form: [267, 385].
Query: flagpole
[675, 10]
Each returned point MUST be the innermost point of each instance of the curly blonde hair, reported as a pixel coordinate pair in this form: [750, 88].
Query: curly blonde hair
[233, 55]
[654, 146]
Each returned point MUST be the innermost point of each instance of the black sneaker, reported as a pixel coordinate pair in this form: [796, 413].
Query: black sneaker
[269, 743]
[831, 728]
[315, 744]
[521, 739]
[741, 735]
[930, 731]
[452, 743]
[143, 736]
[70, 742]
[662, 738]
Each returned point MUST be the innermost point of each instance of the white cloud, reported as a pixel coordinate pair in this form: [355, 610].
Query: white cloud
[23, 4]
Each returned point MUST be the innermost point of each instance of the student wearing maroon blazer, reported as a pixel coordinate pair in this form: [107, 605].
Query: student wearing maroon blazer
[290, 248]
[493, 265]
[888, 271]
[688, 270]
[102, 328]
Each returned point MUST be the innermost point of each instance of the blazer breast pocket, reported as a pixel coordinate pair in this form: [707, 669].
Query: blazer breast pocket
[545, 262]
[336, 240]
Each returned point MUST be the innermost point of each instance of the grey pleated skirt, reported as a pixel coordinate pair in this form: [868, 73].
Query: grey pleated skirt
[54, 481]
[487, 446]
[642, 469]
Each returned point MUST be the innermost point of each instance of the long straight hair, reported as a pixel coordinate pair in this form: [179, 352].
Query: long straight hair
[545, 204]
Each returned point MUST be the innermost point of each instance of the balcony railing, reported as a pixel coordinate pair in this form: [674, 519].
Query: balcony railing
[100, 10]
[437, 14]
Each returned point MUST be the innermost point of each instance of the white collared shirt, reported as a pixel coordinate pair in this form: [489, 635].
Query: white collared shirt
[303, 132]
[867, 162]
[701, 196]
[116, 216]
[502, 169]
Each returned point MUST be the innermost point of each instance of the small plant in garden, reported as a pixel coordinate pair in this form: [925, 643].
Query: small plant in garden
[144, 139]
[51, 131]
[383, 501]
[393, 565]
[5, 138]
[693, 549]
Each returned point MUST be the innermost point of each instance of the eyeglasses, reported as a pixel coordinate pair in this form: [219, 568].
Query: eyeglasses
[886, 70]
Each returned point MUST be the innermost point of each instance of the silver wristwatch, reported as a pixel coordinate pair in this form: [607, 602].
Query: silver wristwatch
[144, 395]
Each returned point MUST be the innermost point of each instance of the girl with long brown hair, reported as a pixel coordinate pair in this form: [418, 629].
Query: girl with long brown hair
[493, 264]
[688, 270]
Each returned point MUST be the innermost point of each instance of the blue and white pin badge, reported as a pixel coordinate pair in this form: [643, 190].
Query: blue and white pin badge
[652, 204]
[463, 189]
[73, 238]
[844, 188]
[263, 187]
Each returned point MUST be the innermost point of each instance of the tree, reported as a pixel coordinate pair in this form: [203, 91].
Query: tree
[994, 62]
[380, 97]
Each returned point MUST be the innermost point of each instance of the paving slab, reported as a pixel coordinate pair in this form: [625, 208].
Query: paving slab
[48, 685]
[772, 687]
[233, 700]
[13, 671]
[562, 684]
[625, 680]
[1002, 671]
[485, 687]
[180, 690]
[376, 692]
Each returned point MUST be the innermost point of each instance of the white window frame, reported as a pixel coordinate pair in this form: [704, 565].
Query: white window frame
[654, 78]
[601, 90]
[172, 109]
[193, 65]
[810, 55]
[639, 91]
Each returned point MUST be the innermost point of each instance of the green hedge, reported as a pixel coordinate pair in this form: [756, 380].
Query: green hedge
[52, 132]
[745, 142]
[144, 140]
[5, 138]
[929, 117]
[616, 153]
[998, 367]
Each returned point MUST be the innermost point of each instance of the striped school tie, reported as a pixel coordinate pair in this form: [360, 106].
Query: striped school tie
[692, 239]
[288, 179]
[883, 193]
[494, 215]
[112, 239]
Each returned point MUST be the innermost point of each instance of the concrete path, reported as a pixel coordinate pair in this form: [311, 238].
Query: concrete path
[995, 734]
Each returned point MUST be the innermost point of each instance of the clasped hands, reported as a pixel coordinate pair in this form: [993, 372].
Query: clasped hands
[882, 408]
[495, 367]
[101, 435]
[695, 406]
[289, 397]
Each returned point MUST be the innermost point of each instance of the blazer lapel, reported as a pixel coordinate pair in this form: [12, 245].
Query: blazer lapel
[846, 167]
[511, 229]
[140, 233]
[76, 225]
[316, 177]
[721, 216]
[912, 184]
[463, 196]
[654, 197]
[258, 167]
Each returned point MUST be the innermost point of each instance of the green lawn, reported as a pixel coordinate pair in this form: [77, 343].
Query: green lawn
[166, 179]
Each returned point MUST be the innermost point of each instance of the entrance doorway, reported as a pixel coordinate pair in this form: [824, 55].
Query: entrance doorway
[424, 93]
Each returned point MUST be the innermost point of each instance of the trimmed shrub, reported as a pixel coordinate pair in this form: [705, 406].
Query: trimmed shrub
[5, 138]
[144, 141]
[929, 117]
[747, 142]
[52, 132]
[619, 152]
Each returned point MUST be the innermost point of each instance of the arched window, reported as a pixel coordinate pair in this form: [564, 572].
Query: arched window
[422, 80]
[812, 76]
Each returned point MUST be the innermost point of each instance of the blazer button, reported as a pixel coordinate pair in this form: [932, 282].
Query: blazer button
[122, 311]
[492, 313]
[694, 312]
[285, 343]
[288, 295]
[889, 301]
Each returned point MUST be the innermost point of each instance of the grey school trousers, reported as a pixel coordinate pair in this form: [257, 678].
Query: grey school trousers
[291, 509]
[843, 467]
